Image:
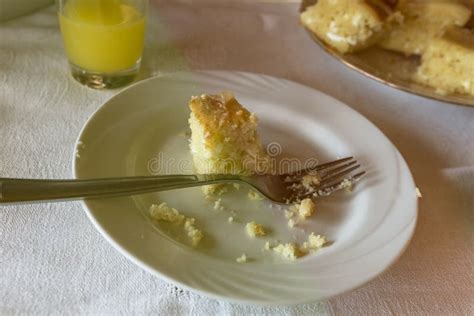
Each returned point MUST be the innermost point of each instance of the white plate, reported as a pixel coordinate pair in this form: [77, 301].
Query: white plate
[141, 131]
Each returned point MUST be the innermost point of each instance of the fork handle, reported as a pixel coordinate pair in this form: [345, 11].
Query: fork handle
[30, 190]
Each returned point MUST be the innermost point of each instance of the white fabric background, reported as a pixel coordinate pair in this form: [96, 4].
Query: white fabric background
[52, 261]
[10, 9]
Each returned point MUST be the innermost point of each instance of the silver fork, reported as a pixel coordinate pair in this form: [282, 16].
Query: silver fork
[325, 179]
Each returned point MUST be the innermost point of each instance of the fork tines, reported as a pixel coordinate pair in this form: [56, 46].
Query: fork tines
[345, 183]
[331, 177]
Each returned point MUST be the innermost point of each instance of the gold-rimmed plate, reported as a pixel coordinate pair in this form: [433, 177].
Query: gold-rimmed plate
[389, 68]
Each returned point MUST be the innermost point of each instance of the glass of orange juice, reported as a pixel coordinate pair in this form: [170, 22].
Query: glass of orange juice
[103, 40]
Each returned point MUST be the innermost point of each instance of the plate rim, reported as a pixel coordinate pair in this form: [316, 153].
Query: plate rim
[257, 302]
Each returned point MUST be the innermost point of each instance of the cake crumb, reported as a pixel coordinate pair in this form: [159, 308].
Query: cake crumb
[254, 229]
[314, 242]
[288, 251]
[346, 184]
[291, 223]
[254, 195]
[218, 205]
[193, 233]
[79, 147]
[242, 258]
[267, 246]
[230, 219]
[310, 180]
[163, 212]
[306, 208]
[292, 210]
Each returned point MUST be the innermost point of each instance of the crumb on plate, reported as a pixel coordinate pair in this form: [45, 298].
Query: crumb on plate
[291, 223]
[255, 196]
[306, 208]
[309, 180]
[163, 212]
[314, 242]
[254, 229]
[267, 246]
[193, 233]
[288, 251]
[218, 205]
[242, 258]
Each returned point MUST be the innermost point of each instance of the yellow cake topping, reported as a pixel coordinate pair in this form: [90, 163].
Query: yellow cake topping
[448, 63]
[423, 21]
[349, 25]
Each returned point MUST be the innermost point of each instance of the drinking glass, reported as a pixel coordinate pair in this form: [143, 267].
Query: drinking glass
[103, 40]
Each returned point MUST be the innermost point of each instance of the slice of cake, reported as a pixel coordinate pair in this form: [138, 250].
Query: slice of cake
[349, 25]
[224, 138]
[448, 63]
[424, 20]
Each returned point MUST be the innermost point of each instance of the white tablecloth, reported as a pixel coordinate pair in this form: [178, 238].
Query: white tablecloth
[53, 261]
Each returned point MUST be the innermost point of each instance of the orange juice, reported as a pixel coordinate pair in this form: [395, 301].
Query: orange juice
[103, 36]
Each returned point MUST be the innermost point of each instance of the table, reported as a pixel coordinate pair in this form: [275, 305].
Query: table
[52, 259]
